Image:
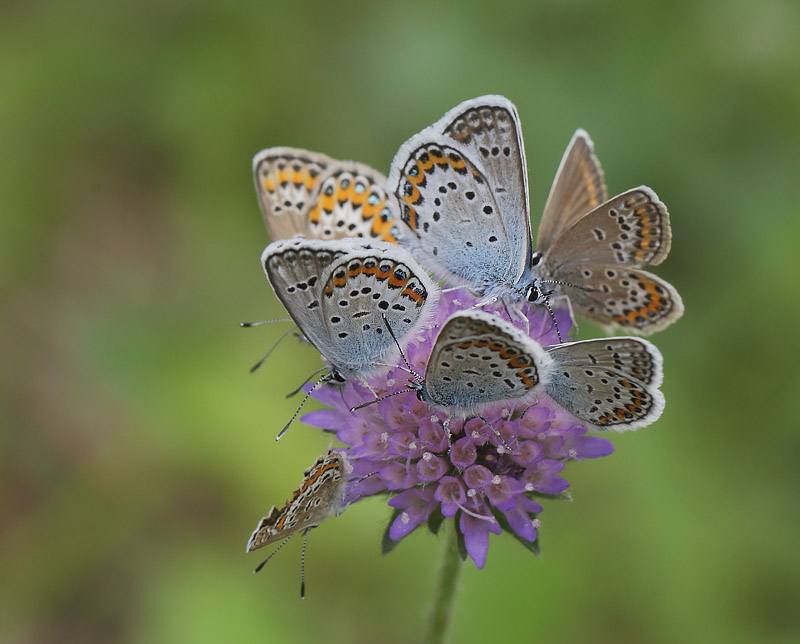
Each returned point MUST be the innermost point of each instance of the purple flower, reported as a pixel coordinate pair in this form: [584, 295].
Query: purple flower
[487, 476]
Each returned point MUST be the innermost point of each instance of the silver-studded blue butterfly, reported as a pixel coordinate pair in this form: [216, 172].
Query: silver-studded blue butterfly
[479, 360]
[462, 189]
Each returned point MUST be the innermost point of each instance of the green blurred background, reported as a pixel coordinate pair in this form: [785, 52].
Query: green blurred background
[137, 452]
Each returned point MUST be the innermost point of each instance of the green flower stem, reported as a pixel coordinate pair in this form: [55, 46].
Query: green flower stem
[445, 596]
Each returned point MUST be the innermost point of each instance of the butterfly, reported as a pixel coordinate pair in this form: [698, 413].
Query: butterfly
[479, 360]
[308, 194]
[462, 188]
[320, 495]
[350, 298]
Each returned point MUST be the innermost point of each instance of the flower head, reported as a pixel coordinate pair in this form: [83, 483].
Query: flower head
[486, 471]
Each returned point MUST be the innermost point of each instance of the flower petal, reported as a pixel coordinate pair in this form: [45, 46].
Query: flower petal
[476, 536]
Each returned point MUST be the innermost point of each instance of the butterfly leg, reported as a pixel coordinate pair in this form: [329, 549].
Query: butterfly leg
[573, 333]
[498, 434]
[446, 426]
[366, 385]
[505, 308]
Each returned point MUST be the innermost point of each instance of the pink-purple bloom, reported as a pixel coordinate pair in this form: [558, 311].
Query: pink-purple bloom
[489, 475]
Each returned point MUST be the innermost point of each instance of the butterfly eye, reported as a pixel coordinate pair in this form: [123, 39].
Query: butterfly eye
[532, 294]
[536, 258]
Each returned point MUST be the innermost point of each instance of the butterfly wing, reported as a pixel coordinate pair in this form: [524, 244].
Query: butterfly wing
[487, 128]
[627, 298]
[578, 187]
[453, 198]
[310, 195]
[479, 360]
[320, 495]
[294, 267]
[363, 293]
[631, 229]
[609, 383]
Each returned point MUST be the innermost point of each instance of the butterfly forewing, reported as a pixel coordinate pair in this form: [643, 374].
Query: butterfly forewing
[308, 194]
[320, 495]
[610, 383]
[631, 229]
[363, 294]
[294, 267]
[479, 360]
[462, 190]
[578, 187]
[488, 129]
[439, 192]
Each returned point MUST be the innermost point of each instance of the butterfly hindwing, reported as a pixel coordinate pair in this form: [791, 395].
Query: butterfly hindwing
[626, 298]
[609, 383]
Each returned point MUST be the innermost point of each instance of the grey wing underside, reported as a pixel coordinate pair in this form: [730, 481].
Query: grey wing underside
[363, 295]
[294, 268]
[578, 188]
[609, 383]
[488, 129]
[461, 186]
[308, 194]
[479, 360]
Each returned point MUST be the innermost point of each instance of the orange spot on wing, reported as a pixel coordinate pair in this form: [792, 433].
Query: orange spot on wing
[655, 302]
[457, 165]
[414, 296]
[397, 283]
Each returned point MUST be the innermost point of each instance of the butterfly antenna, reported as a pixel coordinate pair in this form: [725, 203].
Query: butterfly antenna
[305, 382]
[303, 565]
[377, 400]
[394, 337]
[272, 348]
[247, 325]
[272, 554]
[324, 378]
[552, 317]
[571, 285]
